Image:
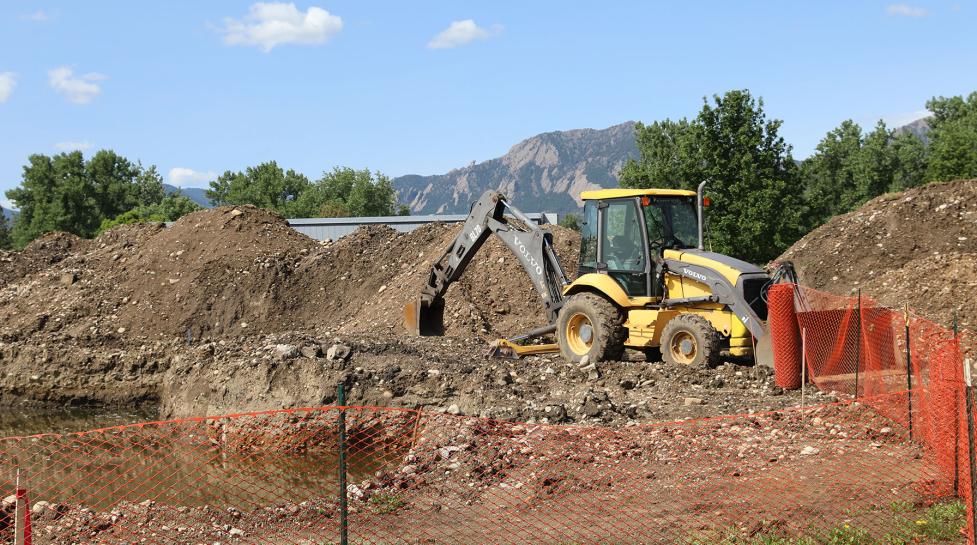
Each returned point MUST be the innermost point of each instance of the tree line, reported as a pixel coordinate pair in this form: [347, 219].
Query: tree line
[66, 192]
[764, 200]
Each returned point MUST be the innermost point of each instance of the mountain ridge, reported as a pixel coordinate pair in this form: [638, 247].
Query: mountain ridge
[545, 172]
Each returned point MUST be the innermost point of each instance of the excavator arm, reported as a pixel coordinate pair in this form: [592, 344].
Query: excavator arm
[532, 246]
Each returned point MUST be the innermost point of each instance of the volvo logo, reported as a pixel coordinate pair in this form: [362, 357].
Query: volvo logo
[693, 274]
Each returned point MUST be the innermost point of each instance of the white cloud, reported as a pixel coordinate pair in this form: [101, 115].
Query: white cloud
[8, 80]
[906, 10]
[78, 89]
[84, 145]
[39, 16]
[8, 204]
[270, 24]
[187, 177]
[460, 33]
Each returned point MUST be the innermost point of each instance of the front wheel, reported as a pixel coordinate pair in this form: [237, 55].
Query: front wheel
[589, 325]
[689, 339]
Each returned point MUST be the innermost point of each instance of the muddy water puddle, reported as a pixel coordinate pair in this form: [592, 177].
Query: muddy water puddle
[187, 464]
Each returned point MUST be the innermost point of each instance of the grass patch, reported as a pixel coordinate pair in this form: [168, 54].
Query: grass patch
[386, 503]
[939, 523]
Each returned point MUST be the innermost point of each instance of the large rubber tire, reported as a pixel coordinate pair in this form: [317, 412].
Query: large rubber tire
[690, 339]
[589, 325]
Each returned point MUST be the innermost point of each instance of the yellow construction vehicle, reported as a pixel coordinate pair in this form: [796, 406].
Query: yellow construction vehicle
[645, 281]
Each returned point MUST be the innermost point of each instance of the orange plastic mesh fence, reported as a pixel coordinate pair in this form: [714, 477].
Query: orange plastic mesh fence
[434, 478]
[888, 466]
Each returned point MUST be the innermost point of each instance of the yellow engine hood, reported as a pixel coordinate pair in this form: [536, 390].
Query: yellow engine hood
[729, 267]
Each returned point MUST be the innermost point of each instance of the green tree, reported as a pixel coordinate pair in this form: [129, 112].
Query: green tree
[348, 192]
[6, 242]
[170, 208]
[753, 179]
[830, 175]
[67, 193]
[953, 138]
[149, 186]
[910, 158]
[265, 185]
[570, 221]
[874, 165]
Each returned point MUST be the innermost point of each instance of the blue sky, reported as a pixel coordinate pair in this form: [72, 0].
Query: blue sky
[423, 87]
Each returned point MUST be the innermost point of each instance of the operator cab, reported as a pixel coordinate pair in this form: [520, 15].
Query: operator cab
[625, 233]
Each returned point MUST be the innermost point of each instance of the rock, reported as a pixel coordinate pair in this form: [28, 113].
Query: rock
[9, 503]
[236, 212]
[236, 532]
[68, 278]
[809, 451]
[382, 289]
[717, 382]
[627, 383]
[555, 413]
[694, 401]
[338, 352]
[584, 362]
[286, 351]
[311, 351]
[454, 409]
[885, 431]
[40, 508]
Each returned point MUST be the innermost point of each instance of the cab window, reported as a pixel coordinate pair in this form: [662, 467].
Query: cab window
[588, 238]
[623, 246]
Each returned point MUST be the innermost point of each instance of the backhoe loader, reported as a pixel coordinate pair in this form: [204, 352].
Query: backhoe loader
[645, 281]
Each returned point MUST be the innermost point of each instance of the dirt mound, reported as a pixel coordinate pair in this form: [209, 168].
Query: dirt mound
[941, 287]
[40, 254]
[493, 298]
[899, 247]
[240, 270]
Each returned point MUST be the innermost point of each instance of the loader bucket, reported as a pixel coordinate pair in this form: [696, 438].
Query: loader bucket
[423, 318]
[763, 352]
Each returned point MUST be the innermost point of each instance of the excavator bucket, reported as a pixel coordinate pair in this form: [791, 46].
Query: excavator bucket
[423, 318]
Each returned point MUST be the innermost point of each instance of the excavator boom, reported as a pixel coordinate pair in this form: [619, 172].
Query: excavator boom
[532, 246]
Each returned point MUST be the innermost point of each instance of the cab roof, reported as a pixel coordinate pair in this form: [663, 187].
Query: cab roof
[623, 193]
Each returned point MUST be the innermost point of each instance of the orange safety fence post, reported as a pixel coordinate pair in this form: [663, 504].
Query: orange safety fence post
[22, 513]
[785, 336]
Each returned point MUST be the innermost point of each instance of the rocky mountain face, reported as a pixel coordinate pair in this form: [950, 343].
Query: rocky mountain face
[544, 173]
[919, 128]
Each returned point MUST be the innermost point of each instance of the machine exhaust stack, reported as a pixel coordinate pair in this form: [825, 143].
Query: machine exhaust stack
[698, 198]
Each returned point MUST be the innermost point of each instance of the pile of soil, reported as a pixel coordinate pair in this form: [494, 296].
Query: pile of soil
[40, 254]
[917, 246]
[234, 271]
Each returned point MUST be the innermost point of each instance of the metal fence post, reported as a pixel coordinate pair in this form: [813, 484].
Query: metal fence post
[909, 373]
[858, 338]
[343, 493]
[972, 456]
[803, 364]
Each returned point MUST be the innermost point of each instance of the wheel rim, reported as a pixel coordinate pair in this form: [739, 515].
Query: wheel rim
[683, 347]
[580, 334]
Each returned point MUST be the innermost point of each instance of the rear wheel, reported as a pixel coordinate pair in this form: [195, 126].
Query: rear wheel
[589, 325]
[689, 339]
